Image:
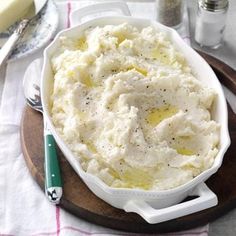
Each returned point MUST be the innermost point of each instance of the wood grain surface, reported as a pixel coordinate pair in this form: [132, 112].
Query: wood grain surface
[80, 201]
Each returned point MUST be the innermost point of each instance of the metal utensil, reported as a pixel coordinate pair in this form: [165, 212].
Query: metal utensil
[9, 46]
[53, 183]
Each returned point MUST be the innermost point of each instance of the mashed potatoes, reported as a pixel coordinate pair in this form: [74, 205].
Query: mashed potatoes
[128, 106]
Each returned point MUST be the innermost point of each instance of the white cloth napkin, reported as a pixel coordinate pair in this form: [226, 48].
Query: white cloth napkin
[24, 210]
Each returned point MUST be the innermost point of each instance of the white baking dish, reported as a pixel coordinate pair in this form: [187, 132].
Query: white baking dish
[153, 206]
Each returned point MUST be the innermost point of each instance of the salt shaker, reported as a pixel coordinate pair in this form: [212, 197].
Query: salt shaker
[210, 22]
[170, 12]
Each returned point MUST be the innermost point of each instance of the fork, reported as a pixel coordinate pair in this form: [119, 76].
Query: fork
[53, 184]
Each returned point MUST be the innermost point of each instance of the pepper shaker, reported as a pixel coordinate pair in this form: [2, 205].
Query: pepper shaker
[170, 12]
[210, 22]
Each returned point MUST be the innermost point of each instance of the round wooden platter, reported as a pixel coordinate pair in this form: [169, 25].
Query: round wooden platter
[80, 201]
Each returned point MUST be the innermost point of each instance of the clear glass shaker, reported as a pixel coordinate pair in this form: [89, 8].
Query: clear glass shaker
[170, 12]
[210, 22]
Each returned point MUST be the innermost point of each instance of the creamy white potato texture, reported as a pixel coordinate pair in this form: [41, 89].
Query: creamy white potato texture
[130, 109]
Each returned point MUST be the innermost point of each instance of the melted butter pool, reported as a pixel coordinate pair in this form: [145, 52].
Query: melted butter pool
[82, 44]
[137, 178]
[185, 151]
[157, 115]
[139, 70]
[87, 80]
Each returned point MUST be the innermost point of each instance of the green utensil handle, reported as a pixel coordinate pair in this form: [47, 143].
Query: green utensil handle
[52, 171]
[53, 183]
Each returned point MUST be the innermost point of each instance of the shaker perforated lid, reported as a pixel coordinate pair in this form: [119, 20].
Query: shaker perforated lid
[214, 5]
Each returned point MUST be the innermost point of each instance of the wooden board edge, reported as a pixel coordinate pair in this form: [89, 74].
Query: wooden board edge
[36, 176]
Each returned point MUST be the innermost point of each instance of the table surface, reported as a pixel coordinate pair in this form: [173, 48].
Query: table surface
[226, 225]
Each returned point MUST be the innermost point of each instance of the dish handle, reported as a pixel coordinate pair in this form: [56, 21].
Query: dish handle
[205, 200]
[77, 15]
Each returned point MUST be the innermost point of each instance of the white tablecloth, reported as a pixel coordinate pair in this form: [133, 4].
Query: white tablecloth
[24, 210]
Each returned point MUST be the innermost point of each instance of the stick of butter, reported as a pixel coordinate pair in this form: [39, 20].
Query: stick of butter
[12, 11]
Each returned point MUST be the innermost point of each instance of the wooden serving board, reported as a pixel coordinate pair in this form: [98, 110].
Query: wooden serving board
[80, 201]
